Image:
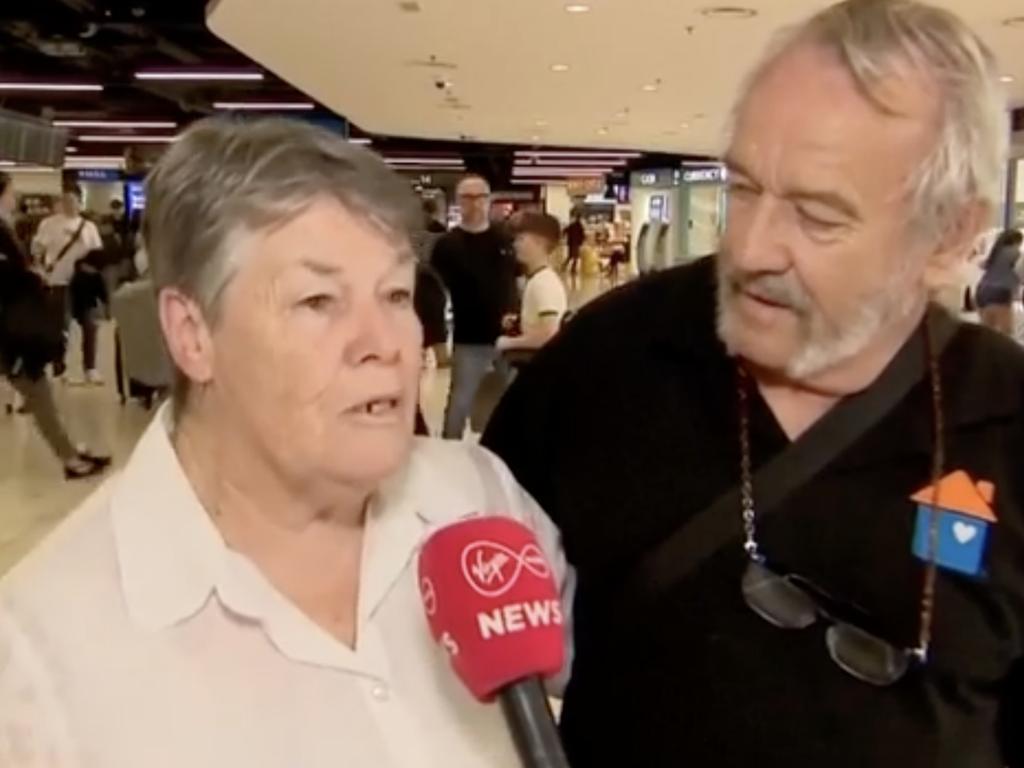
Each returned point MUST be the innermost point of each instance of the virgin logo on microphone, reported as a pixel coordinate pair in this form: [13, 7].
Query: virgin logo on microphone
[493, 569]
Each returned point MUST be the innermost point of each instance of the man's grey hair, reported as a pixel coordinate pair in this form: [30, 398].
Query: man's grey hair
[878, 40]
[225, 179]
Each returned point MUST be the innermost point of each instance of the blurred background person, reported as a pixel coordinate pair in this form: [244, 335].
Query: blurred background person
[249, 579]
[64, 239]
[30, 336]
[476, 262]
[575, 236]
[999, 288]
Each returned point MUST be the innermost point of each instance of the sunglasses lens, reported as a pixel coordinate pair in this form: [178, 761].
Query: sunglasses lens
[776, 600]
[866, 657]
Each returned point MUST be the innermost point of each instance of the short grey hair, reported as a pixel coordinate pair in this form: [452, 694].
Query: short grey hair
[226, 178]
[881, 39]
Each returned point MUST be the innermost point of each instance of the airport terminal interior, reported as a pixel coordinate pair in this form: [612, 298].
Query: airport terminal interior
[607, 118]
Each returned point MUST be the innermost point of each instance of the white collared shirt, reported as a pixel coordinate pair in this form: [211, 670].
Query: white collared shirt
[54, 233]
[134, 637]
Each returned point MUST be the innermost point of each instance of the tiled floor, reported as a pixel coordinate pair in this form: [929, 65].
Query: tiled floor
[33, 493]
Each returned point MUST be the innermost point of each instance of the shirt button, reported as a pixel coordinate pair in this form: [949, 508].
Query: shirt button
[380, 692]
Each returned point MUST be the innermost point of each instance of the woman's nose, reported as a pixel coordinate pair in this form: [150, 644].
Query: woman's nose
[376, 338]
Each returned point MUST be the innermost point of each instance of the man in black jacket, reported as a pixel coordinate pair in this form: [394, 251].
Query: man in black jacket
[478, 267]
[873, 615]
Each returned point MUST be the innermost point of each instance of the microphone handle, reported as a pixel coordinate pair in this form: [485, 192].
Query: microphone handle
[532, 724]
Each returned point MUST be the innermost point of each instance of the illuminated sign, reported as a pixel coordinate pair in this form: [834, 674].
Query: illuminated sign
[714, 174]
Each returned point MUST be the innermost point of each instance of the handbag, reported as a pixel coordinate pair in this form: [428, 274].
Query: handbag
[719, 524]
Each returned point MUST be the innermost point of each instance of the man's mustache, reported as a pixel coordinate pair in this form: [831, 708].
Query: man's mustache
[784, 289]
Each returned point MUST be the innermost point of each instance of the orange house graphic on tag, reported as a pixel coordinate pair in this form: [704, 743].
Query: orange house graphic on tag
[964, 517]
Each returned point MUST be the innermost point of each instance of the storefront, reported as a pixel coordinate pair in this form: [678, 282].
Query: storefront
[677, 213]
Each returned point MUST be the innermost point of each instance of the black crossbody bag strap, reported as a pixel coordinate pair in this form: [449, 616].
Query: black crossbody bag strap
[68, 244]
[719, 524]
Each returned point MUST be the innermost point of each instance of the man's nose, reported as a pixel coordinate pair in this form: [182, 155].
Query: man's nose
[756, 238]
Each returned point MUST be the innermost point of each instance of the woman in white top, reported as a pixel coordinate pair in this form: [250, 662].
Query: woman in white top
[244, 593]
[544, 299]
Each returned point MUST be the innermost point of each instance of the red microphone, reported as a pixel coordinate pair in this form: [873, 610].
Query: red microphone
[491, 601]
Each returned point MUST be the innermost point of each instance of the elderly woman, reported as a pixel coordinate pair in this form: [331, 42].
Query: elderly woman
[244, 592]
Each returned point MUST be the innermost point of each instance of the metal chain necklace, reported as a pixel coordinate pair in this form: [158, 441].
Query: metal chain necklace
[748, 507]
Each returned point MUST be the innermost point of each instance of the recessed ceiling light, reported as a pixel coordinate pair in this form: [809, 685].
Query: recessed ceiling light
[603, 131]
[651, 87]
[728, 12]
[684, 126]
[541, 123]
[577, 8]
[71, 150]
[621, 115]
[535, 138]
[559, 67]
[1006, 79]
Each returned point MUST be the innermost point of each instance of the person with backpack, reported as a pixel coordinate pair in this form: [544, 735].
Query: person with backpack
[30, 336]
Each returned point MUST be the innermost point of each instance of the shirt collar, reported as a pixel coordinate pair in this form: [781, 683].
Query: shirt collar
[172, 556]
[170, 552]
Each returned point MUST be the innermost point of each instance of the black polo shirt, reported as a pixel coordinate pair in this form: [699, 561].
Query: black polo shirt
[626, 425]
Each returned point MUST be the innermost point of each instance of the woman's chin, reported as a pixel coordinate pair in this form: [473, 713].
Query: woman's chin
[374, 457]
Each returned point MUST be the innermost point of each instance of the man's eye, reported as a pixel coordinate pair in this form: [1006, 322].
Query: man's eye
[818, 223]
[741, 188]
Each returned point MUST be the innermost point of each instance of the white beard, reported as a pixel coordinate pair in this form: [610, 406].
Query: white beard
[825, 344]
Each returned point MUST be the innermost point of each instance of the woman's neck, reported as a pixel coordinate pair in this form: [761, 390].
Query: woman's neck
[311, 552]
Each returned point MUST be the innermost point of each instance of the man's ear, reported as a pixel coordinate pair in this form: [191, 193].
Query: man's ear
[187, 334]
[956, 243]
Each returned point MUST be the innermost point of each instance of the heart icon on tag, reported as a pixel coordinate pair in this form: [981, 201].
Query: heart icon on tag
[964, 533]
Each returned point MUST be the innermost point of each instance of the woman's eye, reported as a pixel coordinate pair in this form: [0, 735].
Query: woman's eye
[318, 303]
[400, 296]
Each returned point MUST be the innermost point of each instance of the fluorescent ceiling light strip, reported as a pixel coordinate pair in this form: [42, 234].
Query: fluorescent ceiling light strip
[96, 159]
[50, 87]
[422, 160]
[128, 139]
[114, 124]
[7, 163]
[198, 75]
[363, 142]
[543, 162]
[520, 153]
[274, 106]
[517, 171]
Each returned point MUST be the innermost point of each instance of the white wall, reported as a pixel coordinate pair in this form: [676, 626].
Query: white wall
[36, 183]
[99, 194]
[558, 203]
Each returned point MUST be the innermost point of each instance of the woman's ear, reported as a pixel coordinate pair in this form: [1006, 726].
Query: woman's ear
[187, 335]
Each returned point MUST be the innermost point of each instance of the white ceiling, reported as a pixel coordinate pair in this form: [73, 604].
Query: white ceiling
[356, 57]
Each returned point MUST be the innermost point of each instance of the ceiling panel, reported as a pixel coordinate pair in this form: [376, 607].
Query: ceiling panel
[370, 60]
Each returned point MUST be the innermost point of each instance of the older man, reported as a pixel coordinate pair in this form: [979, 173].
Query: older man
[809, 550]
